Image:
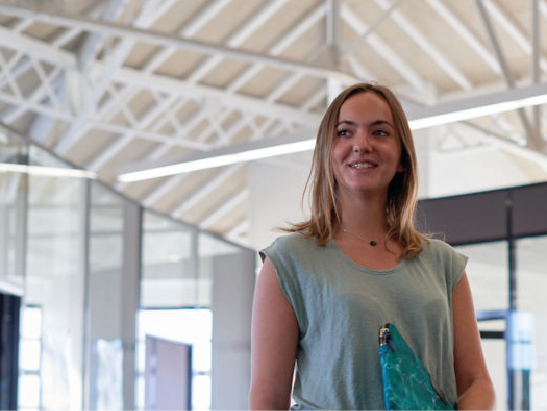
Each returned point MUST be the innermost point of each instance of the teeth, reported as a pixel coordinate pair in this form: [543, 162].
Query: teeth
[360, 165]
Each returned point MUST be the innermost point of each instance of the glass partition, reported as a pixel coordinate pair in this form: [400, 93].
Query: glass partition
[104, 290]
[170, 276]
[487, 270]
[174, 301]
[13, 183]
[188, 288]
[55, 279]
[86, 260]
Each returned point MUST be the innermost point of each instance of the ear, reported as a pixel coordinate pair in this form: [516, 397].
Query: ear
[401, 169]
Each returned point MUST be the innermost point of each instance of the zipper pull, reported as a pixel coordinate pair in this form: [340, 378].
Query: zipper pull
[384, 337]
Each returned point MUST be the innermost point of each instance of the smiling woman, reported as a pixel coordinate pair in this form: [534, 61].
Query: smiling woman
[357, 263]
[366, 152]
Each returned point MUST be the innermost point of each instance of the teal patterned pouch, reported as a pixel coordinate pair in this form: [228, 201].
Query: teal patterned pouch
[407, 384]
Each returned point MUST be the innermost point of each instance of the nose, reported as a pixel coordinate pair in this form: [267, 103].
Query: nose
[362, 142]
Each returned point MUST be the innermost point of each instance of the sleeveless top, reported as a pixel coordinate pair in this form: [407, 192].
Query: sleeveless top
[340, 306]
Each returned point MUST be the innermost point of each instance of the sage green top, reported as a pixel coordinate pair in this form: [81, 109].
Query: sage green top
[340, 306]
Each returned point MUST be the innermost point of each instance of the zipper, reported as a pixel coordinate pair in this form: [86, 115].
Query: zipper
[384, 337]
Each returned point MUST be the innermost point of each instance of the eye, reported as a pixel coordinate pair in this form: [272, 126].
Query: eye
[343, 132]
[381, 132]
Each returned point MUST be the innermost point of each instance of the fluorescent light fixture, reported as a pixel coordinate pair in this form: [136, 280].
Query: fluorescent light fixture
[419, 118]
[46, 171]
[476, 112]
[218, 160]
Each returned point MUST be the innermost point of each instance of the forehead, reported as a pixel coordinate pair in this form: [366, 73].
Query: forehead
[365, 106]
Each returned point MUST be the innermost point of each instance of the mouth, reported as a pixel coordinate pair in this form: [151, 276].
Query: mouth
[362, 164]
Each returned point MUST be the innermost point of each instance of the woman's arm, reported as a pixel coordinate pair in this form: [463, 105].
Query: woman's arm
[274, 339]
[475, 389]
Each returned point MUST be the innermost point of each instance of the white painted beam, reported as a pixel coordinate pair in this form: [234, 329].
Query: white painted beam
[235, 233]
[167, 184]
[435, 54]
[163, 39]
[348, 48]
[17, 65]
[360, 71]
[160, 151]
[245, 103]
[92, 40]
[506, 70]
[211, 10]
[224, 209]
[53, 84]
[203, 192]
[383, 49]
[74, 133]
[10, 80]
[125, 139]
[292, 35]
[465, 34]
[106, 127]
[264, 14]
[148, 14]
[514, 32]
[162, 189]
[283, 87]
[219, 180]
[38, 49]
[535, 72]
[239, 37]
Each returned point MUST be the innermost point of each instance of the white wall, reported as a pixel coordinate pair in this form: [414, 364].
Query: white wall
[276, 186]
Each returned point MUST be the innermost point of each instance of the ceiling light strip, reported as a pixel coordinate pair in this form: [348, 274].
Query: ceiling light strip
[218, 161]
[46, 171]
[309, 144]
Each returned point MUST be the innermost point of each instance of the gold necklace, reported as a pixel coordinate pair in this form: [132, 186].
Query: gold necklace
[372, 243]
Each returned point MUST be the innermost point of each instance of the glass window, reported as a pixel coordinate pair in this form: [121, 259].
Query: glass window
[191, 326]
[169, 272]
[487, 271]
[211, 251]
[29, 392]
[30, 358]
[494, 354]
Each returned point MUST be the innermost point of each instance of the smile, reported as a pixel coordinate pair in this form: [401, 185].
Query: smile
[362, 165]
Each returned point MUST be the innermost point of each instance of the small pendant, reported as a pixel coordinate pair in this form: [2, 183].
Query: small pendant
[373, 243]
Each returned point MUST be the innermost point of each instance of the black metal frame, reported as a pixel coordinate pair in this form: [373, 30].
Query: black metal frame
[10, 306]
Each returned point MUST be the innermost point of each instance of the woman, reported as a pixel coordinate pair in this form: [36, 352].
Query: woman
[358, 262]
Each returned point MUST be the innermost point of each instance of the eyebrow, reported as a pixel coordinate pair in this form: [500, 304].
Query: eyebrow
[374, 123]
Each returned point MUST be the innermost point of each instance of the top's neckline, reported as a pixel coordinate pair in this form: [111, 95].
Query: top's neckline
[348, 259]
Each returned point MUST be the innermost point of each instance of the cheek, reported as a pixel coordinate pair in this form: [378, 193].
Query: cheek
[334, 172]
[332, 156]
[400, 167]
[337, 152]
[335, 159]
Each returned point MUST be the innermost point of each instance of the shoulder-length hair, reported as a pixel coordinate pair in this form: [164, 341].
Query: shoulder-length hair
[403, 190]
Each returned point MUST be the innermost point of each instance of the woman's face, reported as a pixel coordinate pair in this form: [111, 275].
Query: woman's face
[366, 151]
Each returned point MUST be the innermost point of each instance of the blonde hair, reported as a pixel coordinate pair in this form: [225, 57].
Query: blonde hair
[403, 189]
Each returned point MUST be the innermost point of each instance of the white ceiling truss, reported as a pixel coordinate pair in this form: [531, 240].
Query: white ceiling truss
[113, 83]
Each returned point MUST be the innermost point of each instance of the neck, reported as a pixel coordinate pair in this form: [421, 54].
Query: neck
[365, 214]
